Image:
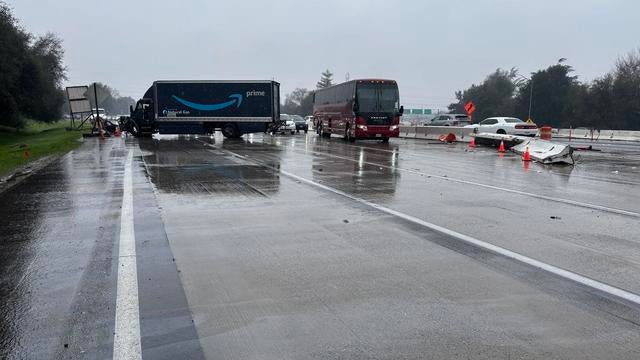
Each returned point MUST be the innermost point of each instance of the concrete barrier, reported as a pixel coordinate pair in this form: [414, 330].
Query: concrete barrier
[421, 132]
[464, 134]
[434, 132]
[587, 134]
[408, 132]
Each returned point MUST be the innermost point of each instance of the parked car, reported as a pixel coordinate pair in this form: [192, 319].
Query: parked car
[289, 126]
[506, 125]
[301, 124]
[450, 120]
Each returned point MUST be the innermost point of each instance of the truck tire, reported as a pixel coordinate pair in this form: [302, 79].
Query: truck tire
[231, 131]
[132, 127]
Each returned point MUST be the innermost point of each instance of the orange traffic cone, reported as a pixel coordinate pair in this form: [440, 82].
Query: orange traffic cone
[526, 156]
[472, 144]
[501, 148]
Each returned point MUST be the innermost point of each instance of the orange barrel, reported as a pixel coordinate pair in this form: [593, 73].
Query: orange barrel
[545, 132]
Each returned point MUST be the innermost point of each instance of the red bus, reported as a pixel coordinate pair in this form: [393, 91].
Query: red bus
[358, 109]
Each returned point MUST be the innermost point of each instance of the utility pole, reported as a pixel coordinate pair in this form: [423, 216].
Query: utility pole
[530, 96]
[530, 80]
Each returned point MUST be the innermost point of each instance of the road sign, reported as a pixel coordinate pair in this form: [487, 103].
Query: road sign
[469, 107]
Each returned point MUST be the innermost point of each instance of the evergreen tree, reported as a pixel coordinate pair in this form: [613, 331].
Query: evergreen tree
[326, 80]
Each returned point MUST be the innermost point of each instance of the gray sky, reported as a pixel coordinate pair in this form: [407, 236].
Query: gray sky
[432, 48]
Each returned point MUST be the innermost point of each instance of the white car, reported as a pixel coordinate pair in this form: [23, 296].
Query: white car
[289, 126]
[505, 125]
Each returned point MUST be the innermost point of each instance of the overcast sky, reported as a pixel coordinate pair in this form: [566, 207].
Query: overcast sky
[432, 48]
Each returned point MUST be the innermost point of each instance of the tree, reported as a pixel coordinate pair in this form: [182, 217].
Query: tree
[493, 97]
[41, 79]
[15, 43]
[552, 88]
[626, 92]
[299, 102]
[109, 99]
[326, 80]
[31, 75]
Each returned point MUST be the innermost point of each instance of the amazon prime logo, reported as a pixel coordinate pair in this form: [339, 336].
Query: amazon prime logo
[255, 93]
[235, 99]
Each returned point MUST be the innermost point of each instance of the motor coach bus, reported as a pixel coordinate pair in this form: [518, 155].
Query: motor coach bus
[358, 109]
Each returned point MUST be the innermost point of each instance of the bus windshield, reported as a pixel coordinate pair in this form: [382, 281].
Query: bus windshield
[378, 97]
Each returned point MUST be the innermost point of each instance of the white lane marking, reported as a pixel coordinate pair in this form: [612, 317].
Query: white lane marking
[467, 182]
[583, 280]
[126, 342]
[620, 293]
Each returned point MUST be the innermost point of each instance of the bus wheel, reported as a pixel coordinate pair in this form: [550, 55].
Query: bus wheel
[231, 131]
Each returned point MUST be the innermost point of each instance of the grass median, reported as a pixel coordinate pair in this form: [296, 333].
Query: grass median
[19, 147]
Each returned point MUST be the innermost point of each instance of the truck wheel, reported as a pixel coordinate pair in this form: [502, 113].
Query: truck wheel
[133, 129]
[231, 131]
[306, 131]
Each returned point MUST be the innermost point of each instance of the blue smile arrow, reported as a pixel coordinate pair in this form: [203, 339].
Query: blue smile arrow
[235, 99]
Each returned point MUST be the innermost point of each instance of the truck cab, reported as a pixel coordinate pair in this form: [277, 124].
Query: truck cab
[141, 121]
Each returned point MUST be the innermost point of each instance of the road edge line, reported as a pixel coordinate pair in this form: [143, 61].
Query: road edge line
[127, 342]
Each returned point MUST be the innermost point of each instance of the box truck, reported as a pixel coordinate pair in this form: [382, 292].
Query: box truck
[235, 107]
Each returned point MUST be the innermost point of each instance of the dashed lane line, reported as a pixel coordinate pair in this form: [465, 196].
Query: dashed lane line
[566, 274]
[492, 187]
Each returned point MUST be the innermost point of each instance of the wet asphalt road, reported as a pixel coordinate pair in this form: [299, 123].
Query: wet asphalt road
[265, 248]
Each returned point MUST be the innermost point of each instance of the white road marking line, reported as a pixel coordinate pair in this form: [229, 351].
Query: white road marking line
[126, 342]
[467, 182]
[566, 274]
[611, 290]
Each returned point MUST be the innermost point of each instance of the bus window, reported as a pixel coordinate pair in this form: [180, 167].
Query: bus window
[378, 97]
[367, 98]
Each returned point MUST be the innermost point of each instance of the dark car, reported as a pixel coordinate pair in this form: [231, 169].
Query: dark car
[301, 123]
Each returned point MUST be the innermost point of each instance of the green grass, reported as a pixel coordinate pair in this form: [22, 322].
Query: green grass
[18, 147]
